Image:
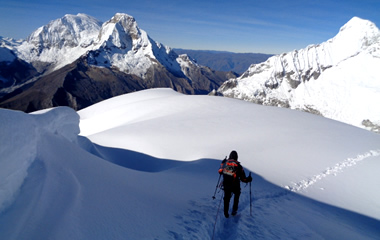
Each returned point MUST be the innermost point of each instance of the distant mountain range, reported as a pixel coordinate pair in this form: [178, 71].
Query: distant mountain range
[225, 61]
[77, 61]
[338, 79]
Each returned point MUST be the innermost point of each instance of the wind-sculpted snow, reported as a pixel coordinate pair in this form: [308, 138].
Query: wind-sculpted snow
[18, 149]
[20, 134]
[62, 121]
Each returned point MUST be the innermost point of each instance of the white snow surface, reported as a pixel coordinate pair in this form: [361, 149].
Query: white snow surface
[338, 78]
[62, 41]
[144, 166]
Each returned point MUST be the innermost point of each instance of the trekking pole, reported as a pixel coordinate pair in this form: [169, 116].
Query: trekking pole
[250, 196]
[216, 188]
[216, 217]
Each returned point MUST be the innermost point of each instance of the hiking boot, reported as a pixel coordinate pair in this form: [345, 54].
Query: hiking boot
[226, 214]
[234, 213]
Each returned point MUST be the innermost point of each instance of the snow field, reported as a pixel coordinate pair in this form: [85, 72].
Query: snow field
[145, 167]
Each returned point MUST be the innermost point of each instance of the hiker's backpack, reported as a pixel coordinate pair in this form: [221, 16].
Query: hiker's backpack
[230, 168]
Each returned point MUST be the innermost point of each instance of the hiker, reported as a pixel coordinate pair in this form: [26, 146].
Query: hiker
[233, 173]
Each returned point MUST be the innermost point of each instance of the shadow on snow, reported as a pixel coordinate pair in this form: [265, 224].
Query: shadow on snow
[276, 212]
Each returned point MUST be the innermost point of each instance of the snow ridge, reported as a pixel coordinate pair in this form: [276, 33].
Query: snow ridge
[338, 168]
[61, 121]
[337, 79]
[15, 164]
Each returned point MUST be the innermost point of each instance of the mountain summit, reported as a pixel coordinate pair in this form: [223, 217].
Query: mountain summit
[122, 44]
[77, 61]
[337, 79]
[69, 31]
[60, 42]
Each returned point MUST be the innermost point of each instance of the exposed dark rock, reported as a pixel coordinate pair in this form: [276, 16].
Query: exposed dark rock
[373, 127]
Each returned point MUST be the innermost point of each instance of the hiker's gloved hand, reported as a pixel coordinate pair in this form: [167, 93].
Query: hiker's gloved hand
[249, 179]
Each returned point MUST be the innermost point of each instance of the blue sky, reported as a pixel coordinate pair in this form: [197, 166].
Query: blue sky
[260, 26]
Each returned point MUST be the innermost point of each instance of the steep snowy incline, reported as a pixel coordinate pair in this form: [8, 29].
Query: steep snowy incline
[337, 79]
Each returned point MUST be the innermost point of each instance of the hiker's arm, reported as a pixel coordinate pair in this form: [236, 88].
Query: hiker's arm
[244, 178]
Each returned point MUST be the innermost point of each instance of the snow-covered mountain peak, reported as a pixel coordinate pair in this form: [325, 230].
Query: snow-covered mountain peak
[128, 22]
[359, 25]
[337, 78]
[68, 31]
[10, 42]
[122, 44]
[60, 42]
[118, 44]
[357, 35]
[120, 31]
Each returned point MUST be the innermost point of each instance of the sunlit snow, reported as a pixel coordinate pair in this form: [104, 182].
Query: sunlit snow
[144, 166]
[338, 78]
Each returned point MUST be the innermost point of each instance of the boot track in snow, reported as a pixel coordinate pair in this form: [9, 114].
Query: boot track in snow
[338, 168]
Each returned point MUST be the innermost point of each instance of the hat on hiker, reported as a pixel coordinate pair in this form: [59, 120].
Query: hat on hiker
[233, 155]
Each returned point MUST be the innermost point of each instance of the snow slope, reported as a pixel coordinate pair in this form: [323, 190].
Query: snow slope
[337, 79]
[150, 170]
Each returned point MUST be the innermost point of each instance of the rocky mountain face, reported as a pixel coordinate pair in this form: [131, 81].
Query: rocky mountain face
[337, 79]
[77, 61]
